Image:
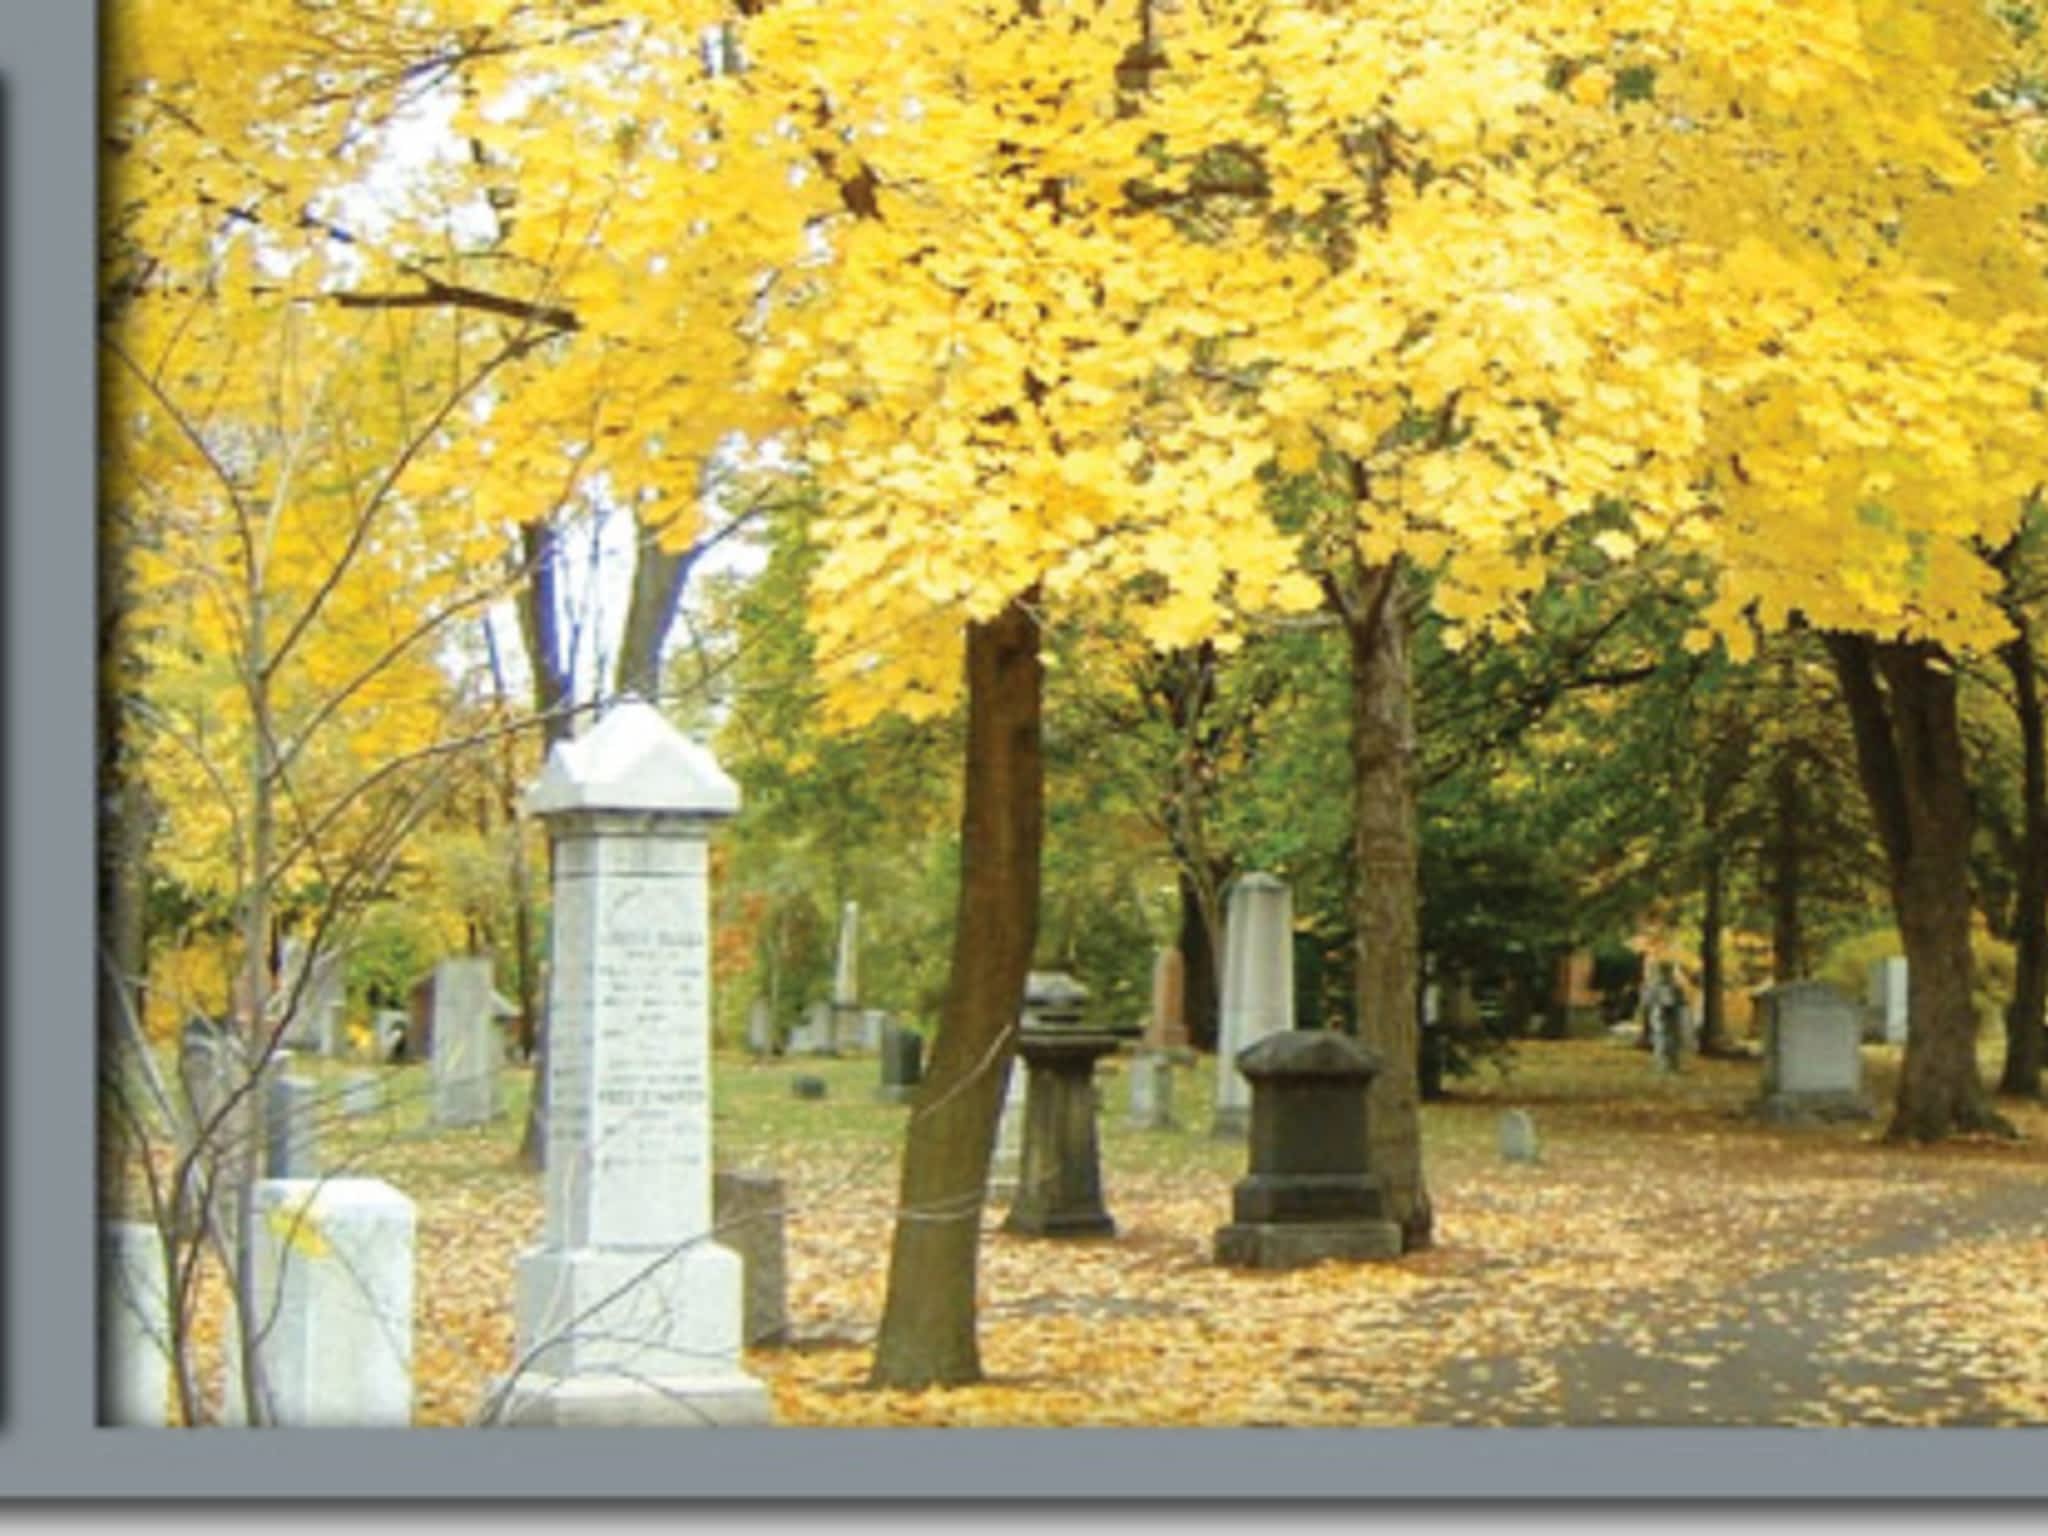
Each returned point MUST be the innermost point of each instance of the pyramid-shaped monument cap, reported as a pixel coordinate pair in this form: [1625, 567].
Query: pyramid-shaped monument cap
[633, 760]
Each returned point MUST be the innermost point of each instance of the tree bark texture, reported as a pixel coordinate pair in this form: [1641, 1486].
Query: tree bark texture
[1909, 755]
[2026, 1032]
[1386, 885]
[1199, 957]
[1713, 983]
[659, 576]
[540, 626]
[928, 1319]
[1788, 934]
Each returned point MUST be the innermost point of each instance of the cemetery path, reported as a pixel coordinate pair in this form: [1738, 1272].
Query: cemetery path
[1838, 1335]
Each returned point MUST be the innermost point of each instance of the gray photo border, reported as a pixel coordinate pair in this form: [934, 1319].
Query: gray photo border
[48, 1446]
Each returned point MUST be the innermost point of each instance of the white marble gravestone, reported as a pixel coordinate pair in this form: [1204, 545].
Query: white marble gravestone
[1813, 1059]
[1518, 1142]
[1008, 1155]
[760, 1028]
[1258, 987]
[135, 1316]
[466, 1051]
[316, 1011]
[1151, 1091]
[627, 1312]
[844, 1030]
[1888, 999]
[333, 1276]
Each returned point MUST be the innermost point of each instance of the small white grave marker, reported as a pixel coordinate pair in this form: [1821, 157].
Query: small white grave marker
[333, 1273]
[1258, 987]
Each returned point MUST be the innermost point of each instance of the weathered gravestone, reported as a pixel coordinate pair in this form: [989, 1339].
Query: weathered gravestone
[747, 1213]
[1166, 1027]
[1059, 1178]
[1518, 1137]
[290, 1130]
[808, 1087]
[813, 1033]
[390, 1033]
[217, 1123]
[1813, 1057]
[1887, 999]
[314, 994]
[628, 1311]
[1151, 1107]
[1009, 1141]
[1310, 1194]
[902, 1064]
[333, 1267]
[466, 1050]
[1258, 987]
[873, 1023]
[135, 1328]
[760, 1028]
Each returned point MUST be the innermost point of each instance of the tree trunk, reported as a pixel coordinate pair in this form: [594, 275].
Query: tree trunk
[1199, 956]
[928, 1321]
[658, 579]
[1788, 935]
[553, 696]
[2026, 1032]
[1713, 985]
[1386, 886]
[1909, 754]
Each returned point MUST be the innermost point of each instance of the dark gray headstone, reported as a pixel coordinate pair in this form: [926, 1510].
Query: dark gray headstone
[902, 1064]
[1309, 1194]
[808, 1087]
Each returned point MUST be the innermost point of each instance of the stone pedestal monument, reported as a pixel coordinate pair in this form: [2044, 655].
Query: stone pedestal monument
[628, 1311]
[1059, 1185]
[1258, 987]
[1309, 1195]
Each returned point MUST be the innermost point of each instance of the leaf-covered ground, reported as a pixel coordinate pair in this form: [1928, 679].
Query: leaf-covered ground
[1667, 1261]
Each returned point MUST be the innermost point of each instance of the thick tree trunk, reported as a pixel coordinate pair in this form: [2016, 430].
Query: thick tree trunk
[1200, 957]
[928, 1321]
[1909, 753]
[1386, 886]
[2026, 1032]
